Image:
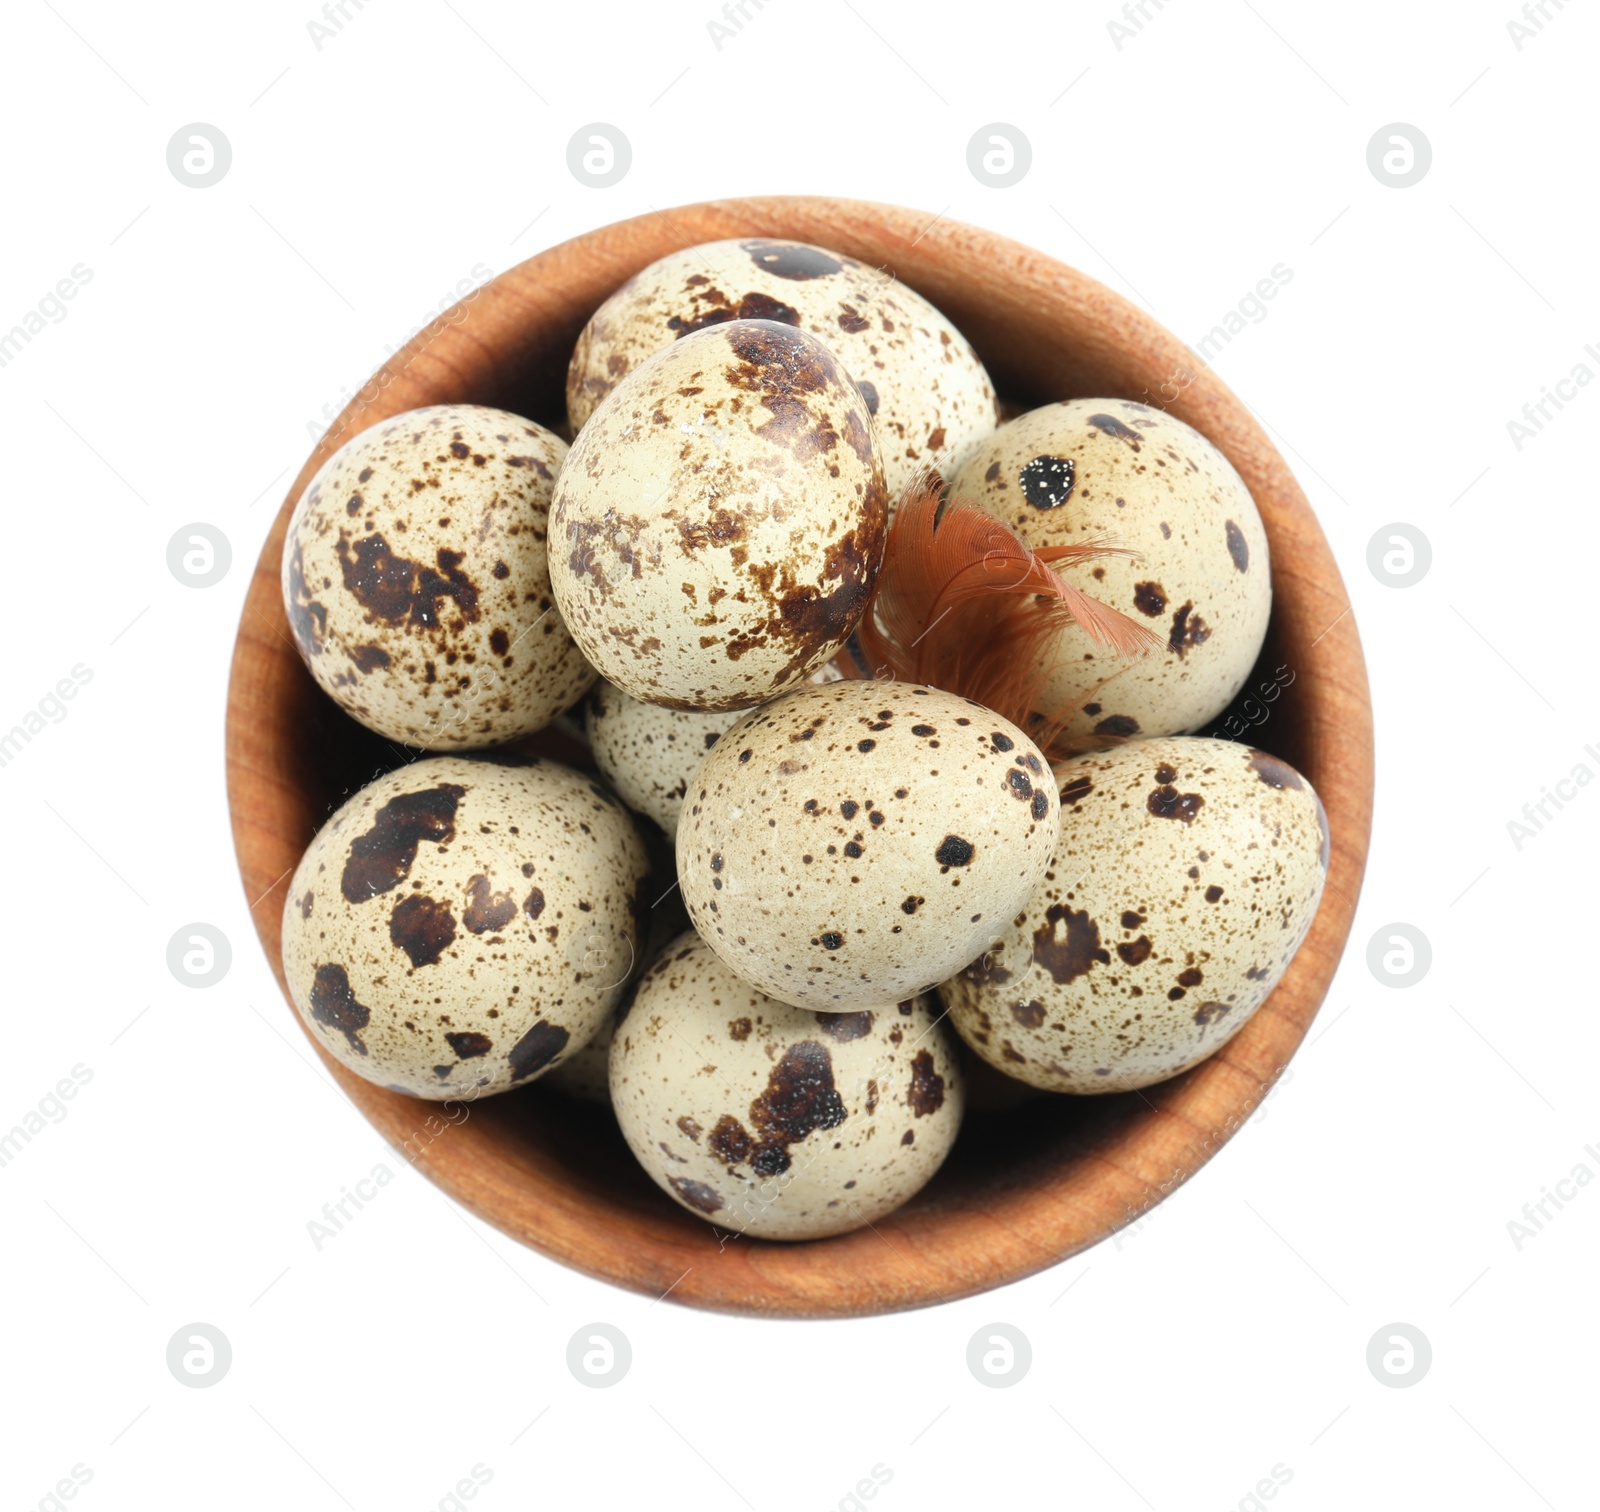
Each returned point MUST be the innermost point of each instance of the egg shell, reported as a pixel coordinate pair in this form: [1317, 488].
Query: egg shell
[417, 585]
[719, 523]
[774, 1121]
[649, 753]
[461, 926]
[928, 393]
[1187, 873]
[857, 843]
[1200, 578]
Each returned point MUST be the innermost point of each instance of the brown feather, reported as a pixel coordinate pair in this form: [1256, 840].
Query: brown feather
[963, 604]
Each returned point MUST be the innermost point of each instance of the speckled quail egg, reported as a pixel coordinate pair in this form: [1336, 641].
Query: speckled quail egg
[416, 582]
[855, 844]
[461, 926]
[718, 526]
[924, 385]
[649, 753]
[1200, 578]
[1187, 874]
[775, 1121]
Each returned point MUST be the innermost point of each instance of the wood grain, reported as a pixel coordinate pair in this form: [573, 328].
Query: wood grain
[1026, 1187]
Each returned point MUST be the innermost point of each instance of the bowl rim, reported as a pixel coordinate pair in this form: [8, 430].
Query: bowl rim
[923, 1254]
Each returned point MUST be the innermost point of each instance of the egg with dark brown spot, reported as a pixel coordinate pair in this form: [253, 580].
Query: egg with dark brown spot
[927, 393]
[718, 526]
[773, 1121]
[416, 581]
[650, 754]
[1194, 570]
[859, 842]
[1186, 874]
[461, 926]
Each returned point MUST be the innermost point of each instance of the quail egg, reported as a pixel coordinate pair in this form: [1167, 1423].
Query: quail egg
[857, 843]
[928, 393]
[774, 1121]
[416, 582]
[719, 522]
[462, 926]
[649, 753]
[1198, 574]
[1186, 875]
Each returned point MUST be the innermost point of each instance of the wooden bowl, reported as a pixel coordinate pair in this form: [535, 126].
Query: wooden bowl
[1027, 1185]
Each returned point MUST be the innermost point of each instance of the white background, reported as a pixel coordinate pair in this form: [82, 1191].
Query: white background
[1172, 1368]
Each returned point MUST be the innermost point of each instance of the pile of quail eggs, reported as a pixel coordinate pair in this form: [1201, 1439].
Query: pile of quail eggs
[880, 883]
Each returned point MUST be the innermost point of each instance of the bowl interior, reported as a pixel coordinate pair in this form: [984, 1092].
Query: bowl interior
[1026, 1186]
